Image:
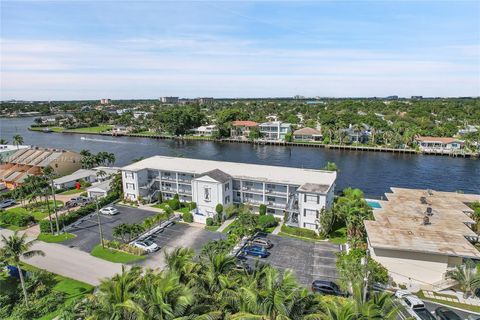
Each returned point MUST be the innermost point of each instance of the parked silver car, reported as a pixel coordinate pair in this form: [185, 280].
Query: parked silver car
[267, 244]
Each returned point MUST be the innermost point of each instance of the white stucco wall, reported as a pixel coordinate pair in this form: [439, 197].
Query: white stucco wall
[407, 267]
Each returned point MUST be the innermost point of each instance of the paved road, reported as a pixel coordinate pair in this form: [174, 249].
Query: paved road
[431, 306]
[71, 263]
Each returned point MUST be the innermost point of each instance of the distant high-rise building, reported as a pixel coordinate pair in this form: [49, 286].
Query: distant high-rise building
[205, 100]
[105, 101]
[169, 99]
[392, 98]
[417, 97]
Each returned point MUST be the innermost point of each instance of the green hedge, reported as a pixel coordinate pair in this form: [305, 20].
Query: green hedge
[187, 217]
[71, 217]
[267, 221]
[14, 218]
[300, 232]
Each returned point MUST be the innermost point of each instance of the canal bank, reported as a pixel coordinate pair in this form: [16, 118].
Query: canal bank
[373, 172]
[276, 143]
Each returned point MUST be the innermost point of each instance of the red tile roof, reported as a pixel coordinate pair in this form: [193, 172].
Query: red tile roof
[437, 139]
[244, 124]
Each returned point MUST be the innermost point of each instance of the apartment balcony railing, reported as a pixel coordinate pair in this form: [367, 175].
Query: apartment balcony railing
[278, 205]
[168, 189]
[169, 178]
[279, 192]
[185, 191]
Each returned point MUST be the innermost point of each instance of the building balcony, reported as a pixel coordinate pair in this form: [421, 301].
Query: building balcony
[185, 191]
[169, 178]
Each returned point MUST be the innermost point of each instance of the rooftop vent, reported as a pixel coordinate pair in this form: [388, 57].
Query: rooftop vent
[423, 200]
[426, 220]
[429, 211]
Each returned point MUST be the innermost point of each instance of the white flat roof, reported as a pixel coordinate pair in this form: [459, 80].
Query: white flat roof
[79, 174]
[11, 147]
[288, 175]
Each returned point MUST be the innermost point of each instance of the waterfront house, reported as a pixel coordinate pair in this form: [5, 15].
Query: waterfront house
[120, 130]
[298, 194]
[69, 181]
[31, 161]
[439, 144]
[419, 235]
[467, 129]
[275, 130]
[204, 131]
[359, 135]
[241, 129]
[307, 134]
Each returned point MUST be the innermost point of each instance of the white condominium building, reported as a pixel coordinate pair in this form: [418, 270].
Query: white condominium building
[275, 130]
[298, 194]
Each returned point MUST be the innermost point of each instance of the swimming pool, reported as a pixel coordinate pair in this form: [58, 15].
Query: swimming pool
[374, 204]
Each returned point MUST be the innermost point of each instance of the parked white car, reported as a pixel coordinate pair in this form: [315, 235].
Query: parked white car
[147, 245]
[415, 307]
[109, 211]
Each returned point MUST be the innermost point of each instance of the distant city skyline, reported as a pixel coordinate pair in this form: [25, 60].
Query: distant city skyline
[90, 50]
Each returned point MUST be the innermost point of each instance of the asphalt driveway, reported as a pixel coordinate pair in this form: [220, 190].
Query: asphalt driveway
[308, 260]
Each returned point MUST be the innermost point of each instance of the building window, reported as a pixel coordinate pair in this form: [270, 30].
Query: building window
[129, 175]
[227, 186]
[130, 186]
[206, 194]
[309, 213]
[311, 198]
[227, 199]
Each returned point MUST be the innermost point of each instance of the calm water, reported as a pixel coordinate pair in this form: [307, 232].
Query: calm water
[373, 172]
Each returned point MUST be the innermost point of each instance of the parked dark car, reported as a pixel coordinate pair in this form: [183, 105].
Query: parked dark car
[262, 242]
[7, 203]
[443, 313]
[257, 251]
[326, 287]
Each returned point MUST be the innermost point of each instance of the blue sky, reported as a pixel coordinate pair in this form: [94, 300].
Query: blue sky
[134, 49]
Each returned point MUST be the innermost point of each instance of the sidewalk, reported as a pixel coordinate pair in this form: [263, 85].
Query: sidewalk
[458, 298]
[225, 224]
[69, 262]
[278, 229]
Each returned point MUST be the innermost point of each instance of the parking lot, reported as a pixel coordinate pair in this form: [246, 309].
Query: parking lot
[87, 231]
[177, 235]
[309, 260]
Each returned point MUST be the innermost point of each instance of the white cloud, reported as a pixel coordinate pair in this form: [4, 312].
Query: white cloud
[147, 68]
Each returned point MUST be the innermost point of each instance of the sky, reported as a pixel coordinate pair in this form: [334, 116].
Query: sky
[74, 50]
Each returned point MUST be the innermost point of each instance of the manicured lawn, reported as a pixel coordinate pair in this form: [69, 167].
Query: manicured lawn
[114, 255]
[97, 129]
[212, 228]
[449, 303]
[148, 133]
[51, 238]
[162, 205]
[338, 234]
[39, 212]
[54, 129]
[72, 191]
[283, 234]
[230, 226]
[12, 227]
[183, 210]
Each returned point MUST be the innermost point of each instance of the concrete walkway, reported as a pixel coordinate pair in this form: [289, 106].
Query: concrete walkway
[225, 224]
[69, 262]
[278, 229]
[458, 298]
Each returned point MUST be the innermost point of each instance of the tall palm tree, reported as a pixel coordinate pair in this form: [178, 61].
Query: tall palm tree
[17, 140]
[467, 277]
[180, 261]
[3, 141]
[13, 249]
[49, 174]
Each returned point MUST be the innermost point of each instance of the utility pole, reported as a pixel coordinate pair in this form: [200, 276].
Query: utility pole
[54, 205]
[99, 223]
[48, 208]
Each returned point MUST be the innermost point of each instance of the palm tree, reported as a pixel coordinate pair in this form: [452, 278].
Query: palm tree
[17, 140]
[3, 141]
[180, 261]
[49, 173]
[101, 174]
[115, 295]
[467, 277]
[15, 247]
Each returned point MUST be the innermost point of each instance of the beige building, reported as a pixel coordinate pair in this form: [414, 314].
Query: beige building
[419, 235]
[31, 161]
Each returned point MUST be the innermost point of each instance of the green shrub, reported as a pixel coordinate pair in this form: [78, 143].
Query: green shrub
[174, 203]
[209, 221]
[262, 210]
[187, 217]
[219, 209]
[230, 211]
[267, 221]
[300, 232]
[192, 206]
[18, 219]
